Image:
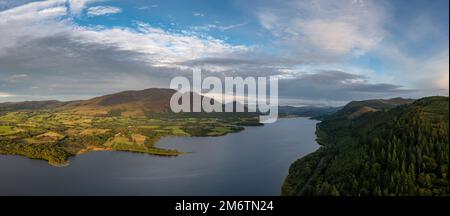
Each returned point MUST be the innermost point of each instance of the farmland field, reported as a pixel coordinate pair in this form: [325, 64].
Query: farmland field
[55, 136]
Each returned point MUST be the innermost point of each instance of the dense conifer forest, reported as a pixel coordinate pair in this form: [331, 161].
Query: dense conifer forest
[394, 151]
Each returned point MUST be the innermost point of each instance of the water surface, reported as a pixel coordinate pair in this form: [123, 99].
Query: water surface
[252, 162]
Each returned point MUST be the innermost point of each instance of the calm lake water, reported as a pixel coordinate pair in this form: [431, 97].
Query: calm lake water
[252, 162]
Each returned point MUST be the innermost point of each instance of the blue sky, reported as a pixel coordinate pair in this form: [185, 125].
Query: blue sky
[220, 19]
[324, 51]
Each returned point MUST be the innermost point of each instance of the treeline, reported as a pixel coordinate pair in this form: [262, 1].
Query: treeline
[403, 151]
[53, 153]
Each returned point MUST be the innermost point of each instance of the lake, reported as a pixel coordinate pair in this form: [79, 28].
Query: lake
[252, 162]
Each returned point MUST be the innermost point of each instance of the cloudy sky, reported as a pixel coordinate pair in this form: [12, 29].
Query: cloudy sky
[323, 51]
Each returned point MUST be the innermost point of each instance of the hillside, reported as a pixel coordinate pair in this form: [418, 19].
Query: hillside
[402, 150]
[29, 105]
[357, 108]
[152, 102]
[306, 111]
[126, 103]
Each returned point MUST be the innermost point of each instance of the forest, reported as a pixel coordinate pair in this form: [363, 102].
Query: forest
[391, 152]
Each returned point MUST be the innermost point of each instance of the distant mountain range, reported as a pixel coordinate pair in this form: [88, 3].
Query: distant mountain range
[357, 108]
[316, 112]
[351, 110]
[140, 103]
[156, 100]
[127, 103]
[29, 105]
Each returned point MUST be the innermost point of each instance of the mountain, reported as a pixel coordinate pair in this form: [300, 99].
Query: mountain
[29, 105]
[142, 103]
[126, 103]
[402, 150]
[306, 111]
[357, 108]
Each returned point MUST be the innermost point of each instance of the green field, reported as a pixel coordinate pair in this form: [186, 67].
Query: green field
[56, 136]
[7, 130]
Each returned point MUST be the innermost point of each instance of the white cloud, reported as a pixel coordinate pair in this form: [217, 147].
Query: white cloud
[325, 30]
[269, 21]
[147, 7]
[77, 6]
[429, 73]
[63, 58]
[6, 4]
[157, 46]
[338, 38]
[209, 27]
[198, 14]
[18, 76]
[54, 11]
[41, 40]
[5, 95]
[103, 10]
[30, 22]
[442, 69]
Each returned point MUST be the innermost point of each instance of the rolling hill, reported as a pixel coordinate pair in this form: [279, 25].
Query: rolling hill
[126, 103]
[357, 108]
[29, 105]
[141, 103]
